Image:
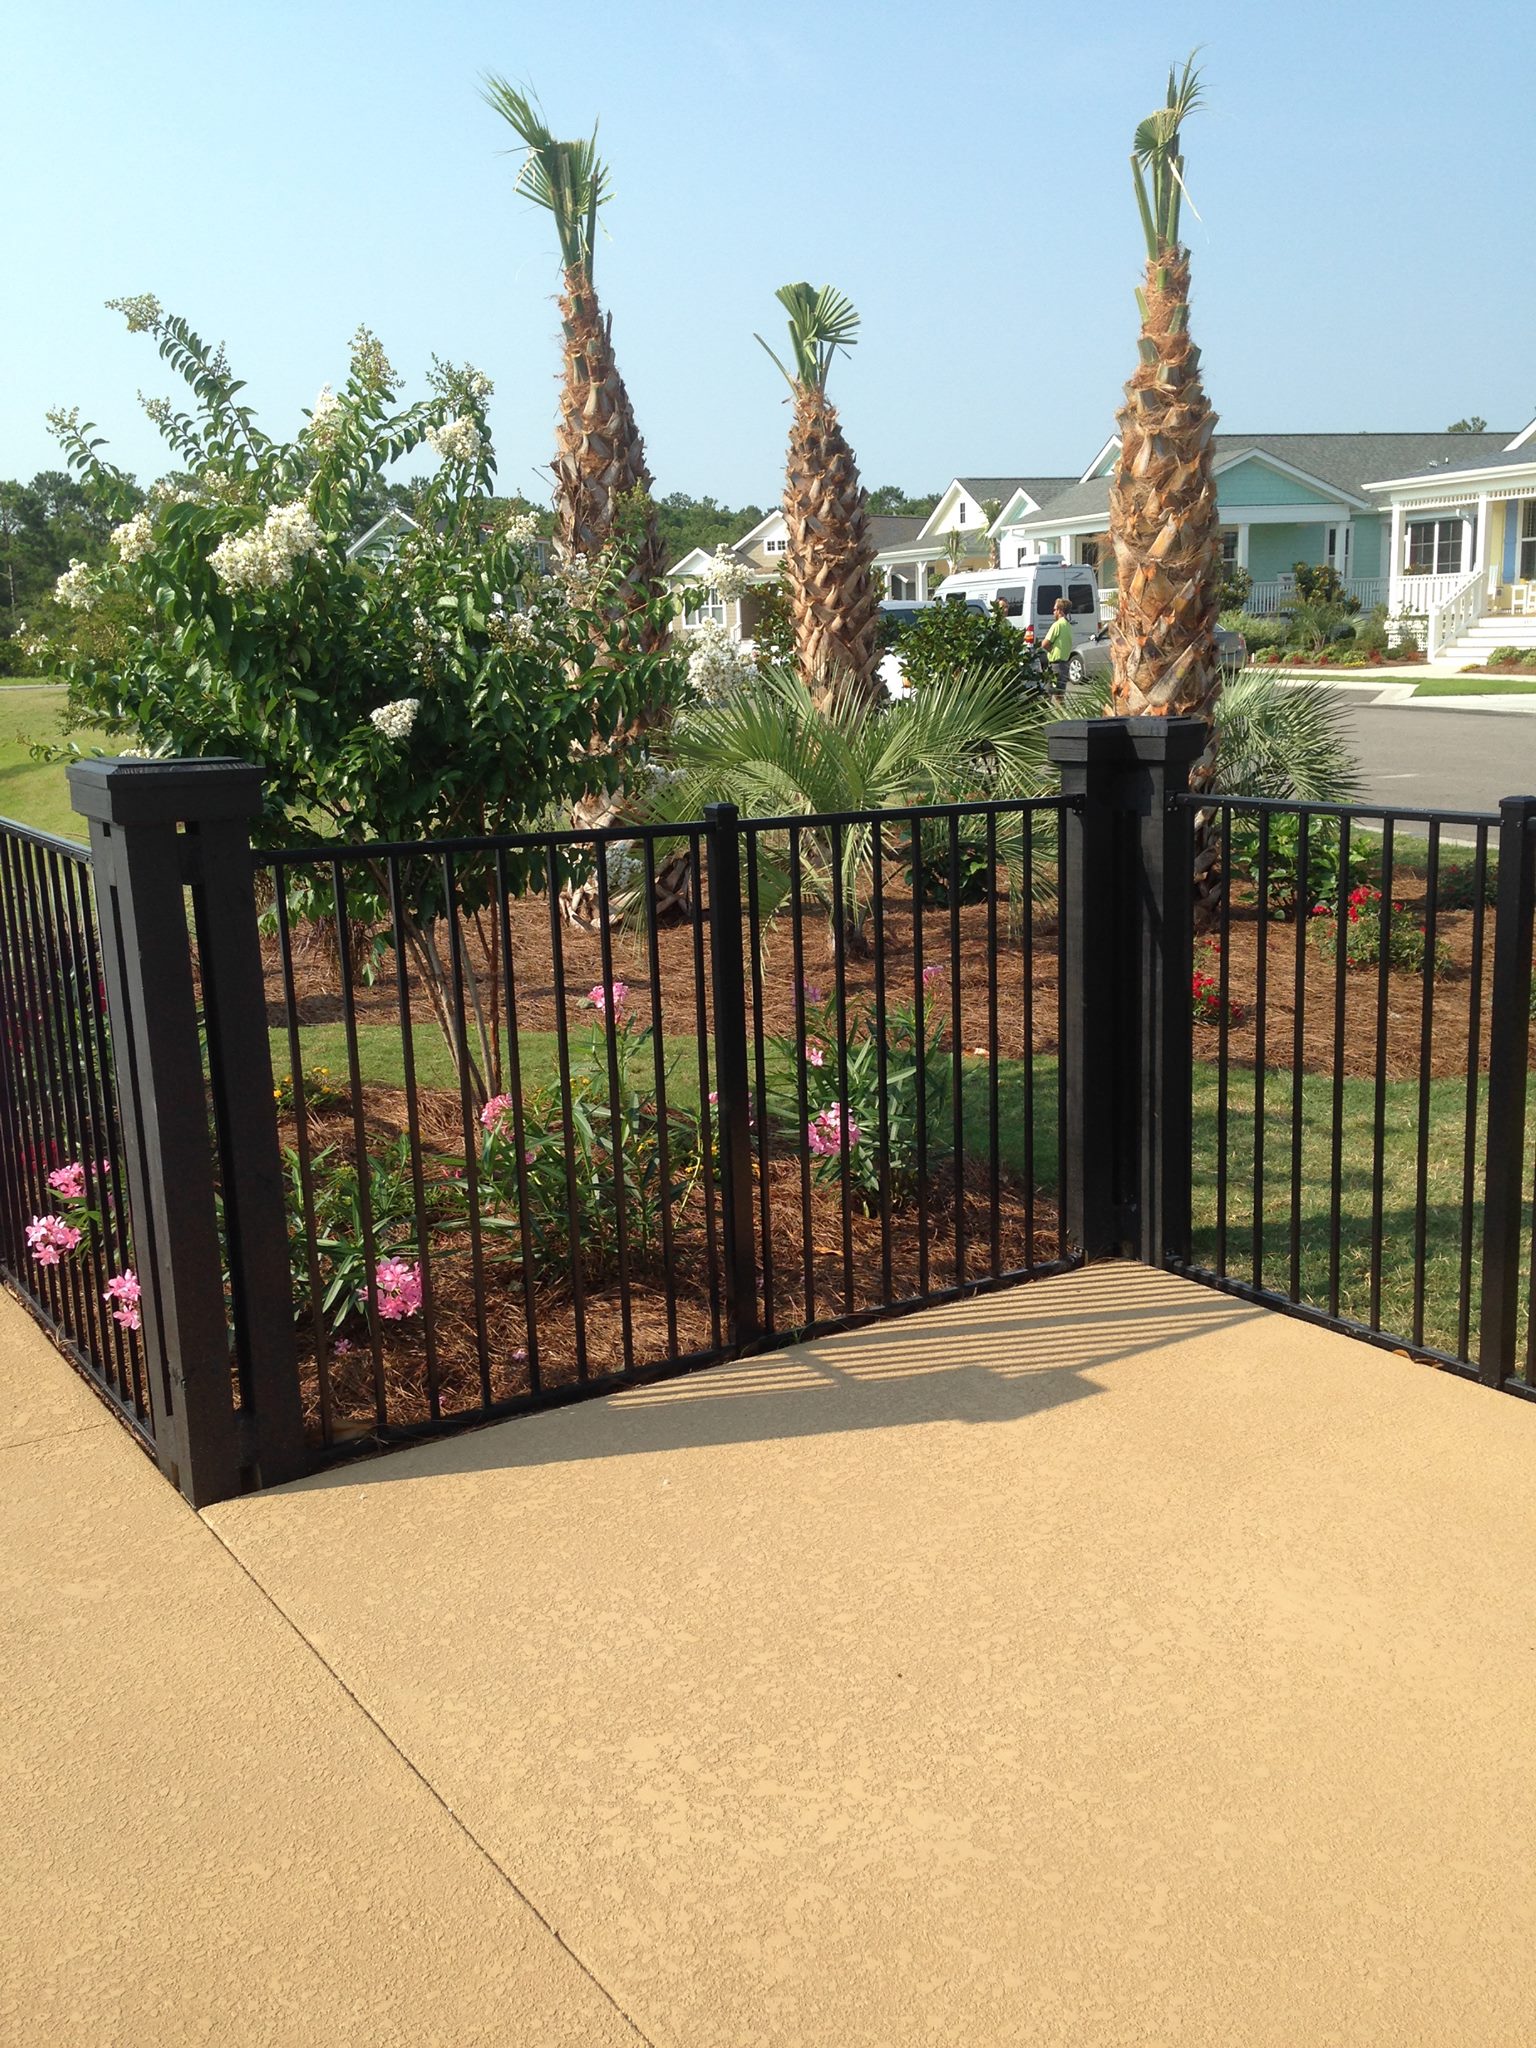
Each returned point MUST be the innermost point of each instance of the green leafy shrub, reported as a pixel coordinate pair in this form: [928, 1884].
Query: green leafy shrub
[946, 638]
[1318, 583]
[1236, 588]
[1283, 867]
[1258, 629]
[1362, 925]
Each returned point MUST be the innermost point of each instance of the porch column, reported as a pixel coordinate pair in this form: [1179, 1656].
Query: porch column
[922, 582]
[1481, 561]
[1468, 565]
[1395, 558]
[1243, 533]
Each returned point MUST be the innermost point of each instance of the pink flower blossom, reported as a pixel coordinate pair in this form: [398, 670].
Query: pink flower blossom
[810, 991]
[520, 1355]
[598, 997]
[68, 1181]
[342, 1347]
[493, 1112]
[824, 1133]
[933, 974]
[121, 1294]
[50, 1238]
[399, 1287]
[815, 1053]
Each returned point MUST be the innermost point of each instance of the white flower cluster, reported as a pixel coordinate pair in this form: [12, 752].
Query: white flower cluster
[142, 311]
[75, 587]
[134, 538]
[718, 664]
[264, 558]
[159, 410]
[727, 575]
[459, 441]
[325, 419]
[478, 385]
[522, 529]
[370, 365]
[395, 720]
[168, 492]
[515, 629]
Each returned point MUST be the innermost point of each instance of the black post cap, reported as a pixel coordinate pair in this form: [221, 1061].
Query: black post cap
[129, 790]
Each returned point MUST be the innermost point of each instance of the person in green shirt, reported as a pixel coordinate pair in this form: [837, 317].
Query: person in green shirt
[1057, 645]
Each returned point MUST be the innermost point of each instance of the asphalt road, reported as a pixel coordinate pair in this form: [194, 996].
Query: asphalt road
[1444, 760]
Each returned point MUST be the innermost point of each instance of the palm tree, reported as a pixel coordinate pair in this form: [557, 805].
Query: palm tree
[602, 484]
[1163, 517]
[834, 601]
[775, 750]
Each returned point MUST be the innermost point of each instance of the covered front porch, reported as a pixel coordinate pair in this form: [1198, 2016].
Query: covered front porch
[1462, 547]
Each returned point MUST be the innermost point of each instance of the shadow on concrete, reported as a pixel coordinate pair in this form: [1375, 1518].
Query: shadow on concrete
[996, 1358]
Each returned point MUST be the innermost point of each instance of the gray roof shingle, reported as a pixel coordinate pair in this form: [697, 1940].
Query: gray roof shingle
[1040, 488]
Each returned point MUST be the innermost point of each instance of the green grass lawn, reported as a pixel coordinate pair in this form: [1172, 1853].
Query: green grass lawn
[1477, 686]
[34, 792]
[380, 1063]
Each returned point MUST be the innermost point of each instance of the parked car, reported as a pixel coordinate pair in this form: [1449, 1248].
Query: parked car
[1093, 657]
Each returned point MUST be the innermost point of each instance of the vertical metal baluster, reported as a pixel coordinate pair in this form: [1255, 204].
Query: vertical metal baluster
[882, 1059]
[360, 1142]
[701, 1033]
[567, 1116]
[1426, 1060]
[32, 939]
[1469, 1148]
[920, 1049]
[797, 947]
[302, 1149]
[1027, 952]
[659, 1079]
[127, 1254]
[1223, 1037]
[1379, 1140]
[467, 1116]
[13, 1094]
[616, 1157]
[413, 1134]
[1340, 1010]
[994, 1055]
[519, 1126]
[844, 1149]
[1299, 1042]
[1063, 1157]
[78, 1106]
[1260, 1035]
[956, 1046]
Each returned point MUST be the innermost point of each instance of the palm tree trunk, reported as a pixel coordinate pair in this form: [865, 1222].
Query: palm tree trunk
[1164, 519]
[834, 602]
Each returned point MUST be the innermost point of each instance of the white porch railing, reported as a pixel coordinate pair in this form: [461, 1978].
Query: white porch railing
[1457, 612]
[1278, 593]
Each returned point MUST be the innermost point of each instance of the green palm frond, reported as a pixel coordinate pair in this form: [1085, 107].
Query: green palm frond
[568, 179]
[821, 321]
[1157, 162]
[769, 750]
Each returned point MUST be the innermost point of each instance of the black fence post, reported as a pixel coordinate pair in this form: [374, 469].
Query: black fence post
[1127, 855]
[1509, 1033]
[733, 1126]
[161, 830]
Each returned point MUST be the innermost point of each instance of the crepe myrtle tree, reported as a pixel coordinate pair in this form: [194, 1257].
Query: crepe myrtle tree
[444, 687]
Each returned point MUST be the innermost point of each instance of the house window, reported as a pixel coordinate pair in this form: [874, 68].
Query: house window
[711, 612]
[1434, 547]
[1528, 541]
[1088, 553]
[1229, 547]
[775, 547]
[960, 513]
[903, 588]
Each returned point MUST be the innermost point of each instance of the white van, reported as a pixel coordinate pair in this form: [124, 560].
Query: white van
[1028, 594]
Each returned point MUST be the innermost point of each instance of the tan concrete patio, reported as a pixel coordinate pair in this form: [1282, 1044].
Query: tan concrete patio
[1105, 1662]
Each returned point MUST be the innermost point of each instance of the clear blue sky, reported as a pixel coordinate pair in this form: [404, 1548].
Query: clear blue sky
[279, 171]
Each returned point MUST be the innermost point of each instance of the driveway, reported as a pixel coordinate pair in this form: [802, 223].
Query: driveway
[1105, 1661]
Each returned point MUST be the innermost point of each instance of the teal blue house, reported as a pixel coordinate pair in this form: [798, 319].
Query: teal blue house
[1284, 498]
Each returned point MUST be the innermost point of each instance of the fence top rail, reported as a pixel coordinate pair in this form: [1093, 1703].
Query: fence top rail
[1285, 806]
[72, 849]
[618, 835]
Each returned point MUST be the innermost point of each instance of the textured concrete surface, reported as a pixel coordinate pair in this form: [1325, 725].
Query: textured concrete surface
[203, 1837]
[1104, 1663]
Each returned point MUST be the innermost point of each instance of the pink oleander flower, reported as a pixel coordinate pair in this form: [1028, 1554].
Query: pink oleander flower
[824, 1133]
[498, 1107]
[815, 1053]
[933, 974]
[68, 1181]
[342, 1348]
[399, 1287]
[121, 1294]
[50, 1239]
[599, 997]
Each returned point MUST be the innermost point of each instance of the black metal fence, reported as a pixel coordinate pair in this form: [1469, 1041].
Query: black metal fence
[64, 1236]
[568, 1110]
[416, 1135]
